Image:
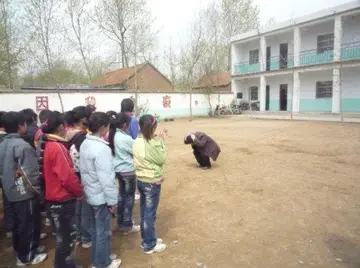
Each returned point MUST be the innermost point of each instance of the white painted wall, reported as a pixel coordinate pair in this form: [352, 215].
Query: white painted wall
[308, 82]
[351, 29]
[105, 101]
[274, 42]
[309, 34]
[275, 81]
[350, 82]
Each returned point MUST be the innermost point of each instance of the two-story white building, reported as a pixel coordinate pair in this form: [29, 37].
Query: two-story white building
[308, 64]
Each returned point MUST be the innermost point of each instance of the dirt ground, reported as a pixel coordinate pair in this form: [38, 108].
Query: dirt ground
[282, 194]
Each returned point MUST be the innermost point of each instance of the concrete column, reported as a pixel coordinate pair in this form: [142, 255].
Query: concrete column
[338, 34]
[336, 98]
[262, 93]
[262, 54]
[297, 46]
[296, 93]
[234, 58]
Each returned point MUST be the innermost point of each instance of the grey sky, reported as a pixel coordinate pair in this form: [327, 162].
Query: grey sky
[173, 16]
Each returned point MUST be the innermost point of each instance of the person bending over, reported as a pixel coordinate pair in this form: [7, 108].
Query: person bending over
[204, 148]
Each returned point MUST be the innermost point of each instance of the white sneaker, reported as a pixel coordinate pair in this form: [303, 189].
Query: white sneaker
[47, 222]
[87, 245]
[37, 259]
[9, 235]
[157, 249]
[113, 256]
[137, 196]
[43, 236]
[40, 249]
[158, 241]
[114, 264]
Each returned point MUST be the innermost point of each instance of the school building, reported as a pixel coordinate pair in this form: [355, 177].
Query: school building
[307, 64]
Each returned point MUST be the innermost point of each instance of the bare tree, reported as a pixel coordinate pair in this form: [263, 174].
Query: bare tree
[121, 20]
[237, 16]
[40, 16]
[78, 36]
[10, 46]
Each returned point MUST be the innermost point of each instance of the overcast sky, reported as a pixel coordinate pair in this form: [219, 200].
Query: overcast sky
[173, 16]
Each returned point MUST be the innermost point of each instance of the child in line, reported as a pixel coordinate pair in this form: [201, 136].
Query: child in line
[76, 136]
[19, 174]
[204, 147]
[121, 146]
[98, 178]
[62, 188]
[149, 155]
[8, 215]
[127, 107]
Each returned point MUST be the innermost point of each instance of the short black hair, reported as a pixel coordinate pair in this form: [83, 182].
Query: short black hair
[98, 120]
[12, 121]
[44, 115]
[1, 120]
[54, 120]
[30, 116]
[112, 114]
[77, 114]
[127, 105]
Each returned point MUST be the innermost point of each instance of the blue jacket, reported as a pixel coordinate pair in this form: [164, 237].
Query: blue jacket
[123, 159]
[133, 129]
[97, 172]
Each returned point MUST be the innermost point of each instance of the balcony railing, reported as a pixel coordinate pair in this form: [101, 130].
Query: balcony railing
[279, 62]
[312, 57]
[350, 51]
[246, 68]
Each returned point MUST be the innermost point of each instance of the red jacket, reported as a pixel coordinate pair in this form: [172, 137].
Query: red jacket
[61, 182]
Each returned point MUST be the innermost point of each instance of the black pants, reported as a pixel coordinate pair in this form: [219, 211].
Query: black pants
[203, 160]
[8, 214]
[63, 215]
[26, 228]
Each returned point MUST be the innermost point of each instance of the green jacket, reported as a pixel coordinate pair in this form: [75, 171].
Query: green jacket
[149, 159]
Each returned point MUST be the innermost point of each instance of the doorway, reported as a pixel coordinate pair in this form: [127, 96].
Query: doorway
[268, 58]
[283, 97]
[267, 103]
[283, 56]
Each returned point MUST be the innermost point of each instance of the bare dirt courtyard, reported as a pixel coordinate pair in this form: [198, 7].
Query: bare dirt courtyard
[282, 194]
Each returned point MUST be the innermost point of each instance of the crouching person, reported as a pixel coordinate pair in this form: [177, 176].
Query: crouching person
[62, 188]
[98, 179]
[20, 181]
[204, 148]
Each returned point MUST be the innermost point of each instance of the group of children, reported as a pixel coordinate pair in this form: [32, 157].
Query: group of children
[68, 168]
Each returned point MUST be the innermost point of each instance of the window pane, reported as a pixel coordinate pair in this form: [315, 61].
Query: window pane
[239, 95]
[325, 43]
[254, 93]
[254, 56]
[324, 89]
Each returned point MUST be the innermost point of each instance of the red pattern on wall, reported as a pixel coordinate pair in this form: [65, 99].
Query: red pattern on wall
[166, 101]
[91, 100]
[42, 103]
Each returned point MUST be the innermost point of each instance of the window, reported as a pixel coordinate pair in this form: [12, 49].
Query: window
[254, 56]
[324, 89]
[325, 43]
[254, 93]
[239, 95]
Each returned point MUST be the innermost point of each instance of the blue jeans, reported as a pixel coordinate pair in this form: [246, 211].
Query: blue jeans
[83, 221]
[101, 236]
[149, 201]
[127, 186]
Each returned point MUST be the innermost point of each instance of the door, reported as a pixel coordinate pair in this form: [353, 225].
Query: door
[283, 55]
[267, 103]
[283, 97]
[268, 58]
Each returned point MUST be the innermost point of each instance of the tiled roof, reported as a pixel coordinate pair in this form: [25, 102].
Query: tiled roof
[218, 79]
[116, 77]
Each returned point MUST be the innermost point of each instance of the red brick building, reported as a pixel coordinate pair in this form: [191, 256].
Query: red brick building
[149, 79]
[217, 82]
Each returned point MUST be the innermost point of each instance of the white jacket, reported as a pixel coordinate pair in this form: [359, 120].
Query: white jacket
[97, 172]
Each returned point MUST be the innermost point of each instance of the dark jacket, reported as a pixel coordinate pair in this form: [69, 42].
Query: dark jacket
[18, 157]
[206, 145]
[30, 134]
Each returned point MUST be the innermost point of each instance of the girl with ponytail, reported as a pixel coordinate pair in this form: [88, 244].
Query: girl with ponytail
[121, 147]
